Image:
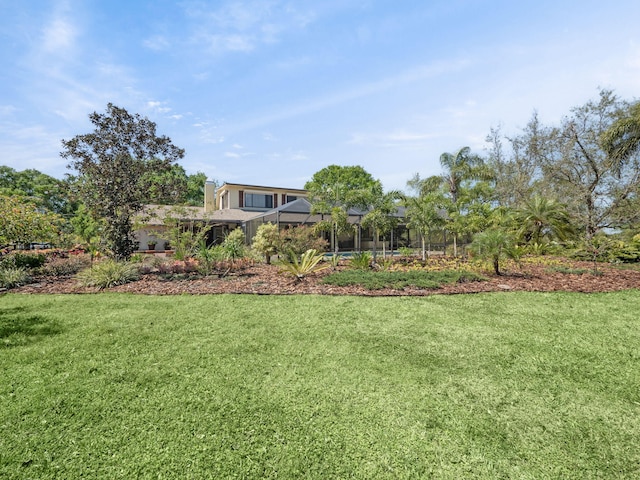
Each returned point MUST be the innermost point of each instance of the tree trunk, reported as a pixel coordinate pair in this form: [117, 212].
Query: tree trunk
[496, 265]
[375, 245]
[424, 250]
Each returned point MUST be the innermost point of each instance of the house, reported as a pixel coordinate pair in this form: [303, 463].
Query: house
[253, 197]
[226, 208]
[235, 205]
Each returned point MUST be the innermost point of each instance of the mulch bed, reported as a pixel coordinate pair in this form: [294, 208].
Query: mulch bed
[263, 279]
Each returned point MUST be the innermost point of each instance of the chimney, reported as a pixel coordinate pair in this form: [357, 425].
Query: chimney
[209, 196]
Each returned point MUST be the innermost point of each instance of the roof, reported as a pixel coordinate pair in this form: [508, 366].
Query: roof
[263, 187]
[156, 214]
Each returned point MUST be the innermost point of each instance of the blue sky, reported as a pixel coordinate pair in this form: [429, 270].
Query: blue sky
[269, 92]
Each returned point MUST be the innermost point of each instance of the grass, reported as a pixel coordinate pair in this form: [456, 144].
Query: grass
[399, 279]
[507, 385]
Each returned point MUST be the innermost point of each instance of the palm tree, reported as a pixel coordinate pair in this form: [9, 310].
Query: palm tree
[493, 243]
[622, 139]
[424, 214]
[380, 216]
[459, 167]
[542, 218]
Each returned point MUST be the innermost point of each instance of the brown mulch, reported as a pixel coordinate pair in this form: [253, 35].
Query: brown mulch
[263, 279]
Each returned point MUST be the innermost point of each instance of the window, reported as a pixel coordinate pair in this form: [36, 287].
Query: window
[256, 200]
[291, 198]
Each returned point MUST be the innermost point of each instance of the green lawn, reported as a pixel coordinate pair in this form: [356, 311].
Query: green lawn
[507, 385]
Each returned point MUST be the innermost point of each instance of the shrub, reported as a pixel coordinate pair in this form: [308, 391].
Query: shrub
[62, 267]
[406, 251]
[13, 277]
[266, 240]
[626, 252]
[209, 257]
[300, 239]
[233, 247]
[361, 260]
[137, 258]
[108, 273]
[24, 260]
[385, 264]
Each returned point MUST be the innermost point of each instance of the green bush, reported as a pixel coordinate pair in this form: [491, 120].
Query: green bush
[209, 258]
[399, 280]
[300, 239]
[361, 260]
[23, 260]
[626, 252]
[233, 247]
[406, 251]
[109, 273]
[13, 277]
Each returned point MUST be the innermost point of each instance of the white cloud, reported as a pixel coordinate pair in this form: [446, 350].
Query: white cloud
[59, 35]
[243, 26]
[6, 110]
[395, 138]
[231, 155]
[157, 42]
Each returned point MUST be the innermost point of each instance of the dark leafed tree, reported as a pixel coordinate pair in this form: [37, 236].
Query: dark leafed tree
[117, 166]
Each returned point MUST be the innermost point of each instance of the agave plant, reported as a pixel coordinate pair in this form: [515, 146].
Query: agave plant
[308, 263]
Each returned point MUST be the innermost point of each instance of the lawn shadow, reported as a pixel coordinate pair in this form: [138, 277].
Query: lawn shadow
[20, 325]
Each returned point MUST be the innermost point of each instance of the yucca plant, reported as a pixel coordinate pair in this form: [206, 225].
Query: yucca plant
[309, 263]
[108, 273]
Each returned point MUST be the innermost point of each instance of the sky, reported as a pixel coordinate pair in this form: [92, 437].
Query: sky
[268, 92]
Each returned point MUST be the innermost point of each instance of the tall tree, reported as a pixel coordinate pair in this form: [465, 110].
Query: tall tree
[425, 213]
[176, 186]
[622, 139]
[336, 189]
[115, 164]
[22, 222]
[464, 180]
[38, 188]
[589, 161]
[598, 190]
[381, 216]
